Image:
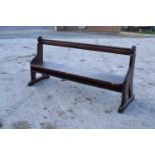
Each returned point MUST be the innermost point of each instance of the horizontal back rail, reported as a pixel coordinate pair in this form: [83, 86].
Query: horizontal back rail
[84, 46]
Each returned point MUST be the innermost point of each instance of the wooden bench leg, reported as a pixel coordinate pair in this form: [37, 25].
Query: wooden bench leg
[127, 98]
[35, 80]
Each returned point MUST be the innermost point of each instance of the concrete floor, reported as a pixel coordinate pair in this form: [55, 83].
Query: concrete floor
[55, 103]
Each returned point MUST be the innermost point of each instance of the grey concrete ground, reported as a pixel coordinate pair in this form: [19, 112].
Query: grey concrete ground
[55, 103]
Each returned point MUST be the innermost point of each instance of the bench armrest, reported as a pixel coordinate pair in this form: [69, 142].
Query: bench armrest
[130, 72]
[39, 57]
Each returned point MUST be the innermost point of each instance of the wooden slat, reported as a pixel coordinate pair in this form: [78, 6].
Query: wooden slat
[91, 47]
[97, 79]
